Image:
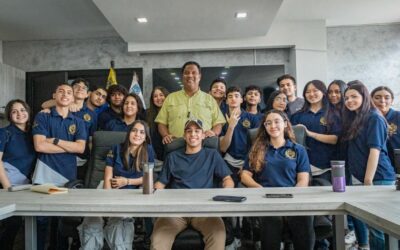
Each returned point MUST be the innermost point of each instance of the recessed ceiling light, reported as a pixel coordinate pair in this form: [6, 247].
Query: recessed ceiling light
[241, 14]
[224, 73]
[173, 73]
[141, 19]
[176, 78]
[223, 77]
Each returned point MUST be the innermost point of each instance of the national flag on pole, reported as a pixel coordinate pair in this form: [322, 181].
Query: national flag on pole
[112, 76]
[135, 88]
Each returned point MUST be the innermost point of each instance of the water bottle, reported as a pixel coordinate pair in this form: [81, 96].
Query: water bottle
[148, 182]
[338, 176]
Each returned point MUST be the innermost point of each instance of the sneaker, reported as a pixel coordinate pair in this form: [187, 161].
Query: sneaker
[350, 238]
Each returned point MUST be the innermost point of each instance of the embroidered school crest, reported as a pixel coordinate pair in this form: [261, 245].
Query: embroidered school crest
[392, 129]
[87, 117]
[322, 121]
[72, 129]
[289, 153]
[246, 123]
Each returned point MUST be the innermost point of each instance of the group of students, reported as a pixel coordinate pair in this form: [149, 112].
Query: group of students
[342, 122]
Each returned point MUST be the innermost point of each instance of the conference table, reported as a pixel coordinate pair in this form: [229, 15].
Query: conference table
[379, 206]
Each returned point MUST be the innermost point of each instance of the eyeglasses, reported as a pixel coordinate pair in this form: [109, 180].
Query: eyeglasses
[273, 122]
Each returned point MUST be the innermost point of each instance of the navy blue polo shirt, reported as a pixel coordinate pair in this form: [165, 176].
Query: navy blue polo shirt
[105, 116]
[89, 117]
[115, 160]
[57, 168]
[187, 171]
[100, 109]
[238, 147]
[373, 134]
[319, 153]
[19, 156]
[116, 124]
[393, 118]
[281, 165]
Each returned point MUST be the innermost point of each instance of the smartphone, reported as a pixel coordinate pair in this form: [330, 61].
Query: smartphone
[279, 195]
[229, 198]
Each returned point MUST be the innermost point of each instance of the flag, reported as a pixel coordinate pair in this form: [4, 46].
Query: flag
[135, 88]
[112, 76]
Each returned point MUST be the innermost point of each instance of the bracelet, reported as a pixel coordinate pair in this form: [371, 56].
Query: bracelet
[127, 182]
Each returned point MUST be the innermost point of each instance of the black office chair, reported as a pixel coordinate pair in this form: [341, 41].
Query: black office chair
[191, 239]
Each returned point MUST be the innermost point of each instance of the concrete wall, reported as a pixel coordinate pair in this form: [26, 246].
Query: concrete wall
[367, 53]
[97, 53]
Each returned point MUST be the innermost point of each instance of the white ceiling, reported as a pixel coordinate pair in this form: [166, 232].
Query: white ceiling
[177, 20]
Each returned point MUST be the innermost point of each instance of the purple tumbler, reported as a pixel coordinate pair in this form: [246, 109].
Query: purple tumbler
[338, 176]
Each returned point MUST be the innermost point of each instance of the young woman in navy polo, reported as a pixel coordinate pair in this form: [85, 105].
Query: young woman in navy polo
[382, 97]
[366, 131]
[157, 98]
[277, 100]
[275, 160]
[131, 110]
[322, 127]
[122, 171]
[17, 160]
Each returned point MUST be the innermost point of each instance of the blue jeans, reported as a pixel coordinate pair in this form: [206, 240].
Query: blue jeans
[376, 237]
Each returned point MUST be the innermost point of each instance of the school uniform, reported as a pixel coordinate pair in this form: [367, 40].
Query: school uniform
[92, 229]
[117, 124]
[89, 117]
[90, 120]
[238, 148]
[57, 168]
[105, 116]
[19, 158]
[280, 170]
[393, 119]
[373, 134]
[115, 157]
[319, 153]
[18, 154]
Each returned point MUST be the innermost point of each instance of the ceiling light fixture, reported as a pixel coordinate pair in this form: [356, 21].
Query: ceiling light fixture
[224, 73]
[176, 78]
[240, 15]
[141, 19]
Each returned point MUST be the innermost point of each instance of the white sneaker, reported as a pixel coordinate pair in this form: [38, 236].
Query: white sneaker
[350, 238]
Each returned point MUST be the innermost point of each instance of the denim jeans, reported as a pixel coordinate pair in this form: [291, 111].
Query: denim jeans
[301, 229]
[376, 237]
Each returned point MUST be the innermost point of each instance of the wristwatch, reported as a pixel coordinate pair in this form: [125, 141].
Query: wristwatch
[55, 141]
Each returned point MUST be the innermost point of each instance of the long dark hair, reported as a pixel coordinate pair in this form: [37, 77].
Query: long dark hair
[141, 154]
[153, 110]
[139, 114]
[263, 140]
[8, 109]
[353, 121]
[271, 99]
[328, 112]
[342, 87]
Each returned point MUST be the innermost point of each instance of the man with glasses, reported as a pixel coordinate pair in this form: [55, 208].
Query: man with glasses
[187, 103]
